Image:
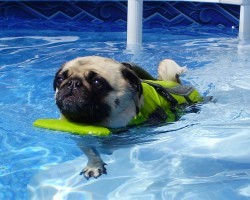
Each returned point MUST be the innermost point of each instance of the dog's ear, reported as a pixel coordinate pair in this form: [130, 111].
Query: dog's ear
[133, 79]
[55, 79]
[139, 71]
[58, 79]
[135, 83]
[128, 65]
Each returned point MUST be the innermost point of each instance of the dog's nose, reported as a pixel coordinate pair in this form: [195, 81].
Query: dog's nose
[74, 83]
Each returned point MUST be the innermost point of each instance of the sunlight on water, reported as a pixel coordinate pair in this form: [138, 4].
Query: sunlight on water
[204, 155]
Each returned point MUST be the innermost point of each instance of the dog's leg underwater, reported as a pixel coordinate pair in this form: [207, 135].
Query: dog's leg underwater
[95, 166]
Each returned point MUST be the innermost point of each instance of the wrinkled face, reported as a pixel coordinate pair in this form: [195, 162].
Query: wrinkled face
[97, 90]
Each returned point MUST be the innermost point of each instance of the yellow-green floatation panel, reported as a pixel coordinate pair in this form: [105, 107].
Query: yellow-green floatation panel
[70, 127]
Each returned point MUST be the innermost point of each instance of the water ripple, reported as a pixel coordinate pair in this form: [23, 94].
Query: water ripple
[204, 155]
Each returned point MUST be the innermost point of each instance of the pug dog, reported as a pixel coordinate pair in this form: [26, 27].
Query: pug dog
[101, 91]
[98, 91]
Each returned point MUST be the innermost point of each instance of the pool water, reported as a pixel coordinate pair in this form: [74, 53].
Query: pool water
[204, 155]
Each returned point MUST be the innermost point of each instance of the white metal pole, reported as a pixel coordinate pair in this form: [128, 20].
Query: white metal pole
[134, 23]
[244, 29]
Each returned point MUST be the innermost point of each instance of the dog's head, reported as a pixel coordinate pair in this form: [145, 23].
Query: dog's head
[98, 91]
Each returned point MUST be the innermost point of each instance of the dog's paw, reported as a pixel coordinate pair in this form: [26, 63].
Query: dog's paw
[94, 170]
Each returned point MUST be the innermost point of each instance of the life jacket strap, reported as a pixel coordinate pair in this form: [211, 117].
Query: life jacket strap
[182, 90]
[163, 92]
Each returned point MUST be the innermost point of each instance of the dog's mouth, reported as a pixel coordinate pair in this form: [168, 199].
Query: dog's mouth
[72, 100]
[80, 105]
[73, 97]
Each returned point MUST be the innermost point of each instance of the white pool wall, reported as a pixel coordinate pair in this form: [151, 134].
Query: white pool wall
[135, 18]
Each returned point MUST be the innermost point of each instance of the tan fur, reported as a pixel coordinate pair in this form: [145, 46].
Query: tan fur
[169, 70]
[111, 71]
[106, 67]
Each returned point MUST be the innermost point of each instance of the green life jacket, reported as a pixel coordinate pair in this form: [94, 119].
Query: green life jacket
[166, 96]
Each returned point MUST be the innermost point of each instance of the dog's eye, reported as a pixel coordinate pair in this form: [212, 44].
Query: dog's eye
[59, 80]
[97, 84]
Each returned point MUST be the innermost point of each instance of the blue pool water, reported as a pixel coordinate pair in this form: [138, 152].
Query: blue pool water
[204, 155]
